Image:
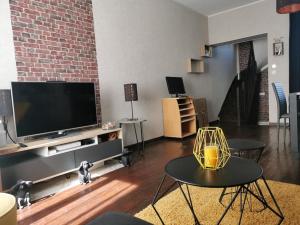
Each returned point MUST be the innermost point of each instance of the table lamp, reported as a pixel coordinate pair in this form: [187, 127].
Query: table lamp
[131, 95]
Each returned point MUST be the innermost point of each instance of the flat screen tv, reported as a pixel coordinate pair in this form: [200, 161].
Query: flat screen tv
[48, 107]
[175, 86]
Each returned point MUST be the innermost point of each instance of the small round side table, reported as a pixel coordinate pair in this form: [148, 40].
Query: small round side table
[134, 122]
[246, 148]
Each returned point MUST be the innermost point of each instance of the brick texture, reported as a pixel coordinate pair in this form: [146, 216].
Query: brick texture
[244, 52]
[263, 115]
[55, 40]
[230, 108]
[263, 101]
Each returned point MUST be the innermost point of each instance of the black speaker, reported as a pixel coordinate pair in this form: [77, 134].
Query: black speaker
[5, 103]
[126, 158]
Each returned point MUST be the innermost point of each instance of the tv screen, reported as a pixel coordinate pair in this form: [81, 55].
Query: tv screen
[41, 108]
[175, 85]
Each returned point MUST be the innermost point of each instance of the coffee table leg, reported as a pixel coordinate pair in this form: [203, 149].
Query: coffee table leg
[243, 205]
[229, 205]
[190, 199]
[263, 201]
[243, 192]
[222, 195]
[157, 197]
[274, 200]
[188, 203]
[261, 195]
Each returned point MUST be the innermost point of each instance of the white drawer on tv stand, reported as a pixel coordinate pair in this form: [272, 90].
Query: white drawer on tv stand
[48, 151]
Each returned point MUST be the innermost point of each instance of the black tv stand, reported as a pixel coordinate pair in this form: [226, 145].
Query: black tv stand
[17, 163]
[58, 135]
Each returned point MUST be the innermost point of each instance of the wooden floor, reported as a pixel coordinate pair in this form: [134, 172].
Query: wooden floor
[131, 189]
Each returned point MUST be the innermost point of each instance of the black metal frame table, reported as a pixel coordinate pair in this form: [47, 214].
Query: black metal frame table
[134, 122]
[238, 172]
[244, 148]
[241, 145]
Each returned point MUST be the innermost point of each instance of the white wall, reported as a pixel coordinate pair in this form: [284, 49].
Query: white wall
[143, 41]
[222, 70]
[256, 19]
[215, 83]
[8, 70]
[260, 47]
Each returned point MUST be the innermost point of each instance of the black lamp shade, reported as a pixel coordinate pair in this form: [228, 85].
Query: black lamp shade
[5, 103]
[130, 92]
[288, 6]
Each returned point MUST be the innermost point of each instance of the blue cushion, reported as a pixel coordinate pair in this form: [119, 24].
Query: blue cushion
[280, 97]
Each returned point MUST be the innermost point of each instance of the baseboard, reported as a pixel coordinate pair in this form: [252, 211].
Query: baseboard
[263, 123]
[146, 142]
[275, 124]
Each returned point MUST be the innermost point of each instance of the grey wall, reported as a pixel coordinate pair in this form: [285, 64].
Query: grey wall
[142, 41]
[222, 70]
[214, 84]
[256, 19]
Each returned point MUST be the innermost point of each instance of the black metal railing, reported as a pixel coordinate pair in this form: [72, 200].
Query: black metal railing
[240, 104]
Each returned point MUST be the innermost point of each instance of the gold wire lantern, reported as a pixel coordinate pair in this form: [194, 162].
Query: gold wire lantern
[211, 148]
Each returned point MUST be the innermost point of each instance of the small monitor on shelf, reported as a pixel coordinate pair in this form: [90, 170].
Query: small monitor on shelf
[175, 86]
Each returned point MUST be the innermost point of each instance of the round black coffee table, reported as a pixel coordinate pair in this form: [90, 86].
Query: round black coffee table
[238, 172]
[244, 147]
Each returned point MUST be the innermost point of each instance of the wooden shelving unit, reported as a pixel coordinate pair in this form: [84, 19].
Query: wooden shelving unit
[179, 117]
[195, 65]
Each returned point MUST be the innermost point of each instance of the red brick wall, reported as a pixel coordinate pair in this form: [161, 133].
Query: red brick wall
[263, 101]
[244, 52]
[55, 40]
[263, 115]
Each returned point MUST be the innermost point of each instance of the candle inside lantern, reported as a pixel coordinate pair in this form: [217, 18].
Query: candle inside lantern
[211, 156]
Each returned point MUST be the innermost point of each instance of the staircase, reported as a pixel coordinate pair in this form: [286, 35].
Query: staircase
[240, 104]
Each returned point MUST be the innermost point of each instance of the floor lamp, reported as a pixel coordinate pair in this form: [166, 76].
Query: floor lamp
[131, 94]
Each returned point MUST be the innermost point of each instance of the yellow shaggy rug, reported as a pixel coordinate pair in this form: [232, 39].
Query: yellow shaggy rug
[174, 211]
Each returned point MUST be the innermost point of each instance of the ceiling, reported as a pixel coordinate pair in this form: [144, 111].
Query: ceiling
[210, 7]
